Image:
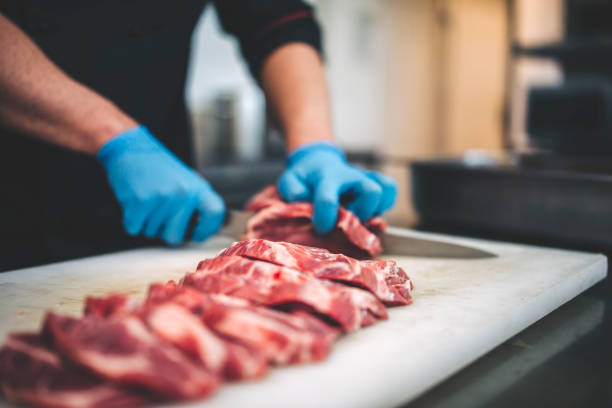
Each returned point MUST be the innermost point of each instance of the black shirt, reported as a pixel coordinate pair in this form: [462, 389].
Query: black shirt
[56, 204]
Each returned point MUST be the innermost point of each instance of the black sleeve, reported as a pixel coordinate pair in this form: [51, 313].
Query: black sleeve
[261, 26]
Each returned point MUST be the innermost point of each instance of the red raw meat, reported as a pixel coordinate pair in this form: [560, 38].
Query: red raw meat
[123, 350]
[190, 334]
[273, 285]
[31, 372]
[179, 327]
[385, 279]
[282, 338]
[276, 220]
[111, 305]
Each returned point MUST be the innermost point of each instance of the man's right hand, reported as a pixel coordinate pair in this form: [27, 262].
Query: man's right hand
[158, 193]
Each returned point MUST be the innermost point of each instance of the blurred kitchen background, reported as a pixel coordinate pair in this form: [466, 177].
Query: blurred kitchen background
[413, 80]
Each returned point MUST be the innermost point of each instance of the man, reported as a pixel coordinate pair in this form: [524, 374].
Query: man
[94, 133]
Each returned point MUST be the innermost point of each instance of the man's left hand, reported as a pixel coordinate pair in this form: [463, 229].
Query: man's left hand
[319, 172]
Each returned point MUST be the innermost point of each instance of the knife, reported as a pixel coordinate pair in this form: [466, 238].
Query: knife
[393, 243]
[402, 245]
[235, 223]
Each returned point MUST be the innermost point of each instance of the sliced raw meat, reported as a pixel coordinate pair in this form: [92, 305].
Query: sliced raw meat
[110, 305]
[123, 350]
[176, 325]
[273, 285]
[31, 372]
[265, 198]
[182, 328]
[385, 279]
[281, 337]
[277, 220]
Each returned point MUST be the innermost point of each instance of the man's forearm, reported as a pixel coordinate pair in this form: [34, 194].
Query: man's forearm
[37, 98]
[294, 81]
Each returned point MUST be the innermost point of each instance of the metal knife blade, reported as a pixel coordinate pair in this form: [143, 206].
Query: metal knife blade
[397, 244]
[235, 223]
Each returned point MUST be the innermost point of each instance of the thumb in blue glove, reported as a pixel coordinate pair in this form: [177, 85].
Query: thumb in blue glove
[158, 193]
[319, 172]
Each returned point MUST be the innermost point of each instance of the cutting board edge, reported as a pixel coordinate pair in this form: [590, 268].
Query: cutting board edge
[599, 270]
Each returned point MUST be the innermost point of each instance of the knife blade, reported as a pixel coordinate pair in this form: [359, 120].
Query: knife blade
[398, 244]
[235, 223]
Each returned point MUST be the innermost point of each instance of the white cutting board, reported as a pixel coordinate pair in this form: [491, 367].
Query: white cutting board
[461, 310]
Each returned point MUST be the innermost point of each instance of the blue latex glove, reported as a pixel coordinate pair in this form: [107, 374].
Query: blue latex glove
[319, 172]
[157, 192]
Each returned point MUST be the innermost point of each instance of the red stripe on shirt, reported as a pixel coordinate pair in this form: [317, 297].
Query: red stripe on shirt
[285, 19]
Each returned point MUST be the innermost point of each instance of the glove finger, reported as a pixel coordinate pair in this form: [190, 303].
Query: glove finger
[291, 188]
[158, 217]
[135, 215]
[175, 227]
[326, 203]
[368, 194]
[389, 194]
[212, 213]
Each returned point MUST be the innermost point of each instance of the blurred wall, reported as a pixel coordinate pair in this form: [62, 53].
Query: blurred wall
[446, 82]
[536, 23]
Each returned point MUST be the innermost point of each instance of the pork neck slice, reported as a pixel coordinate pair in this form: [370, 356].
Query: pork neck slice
[176, 325]
[273, 285]
[281, 338]
[385, 279]
[276, 220]
[122, 349]
[34, 373]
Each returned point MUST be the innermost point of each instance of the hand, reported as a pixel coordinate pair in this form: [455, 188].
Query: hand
[319, 172]
[157, 192]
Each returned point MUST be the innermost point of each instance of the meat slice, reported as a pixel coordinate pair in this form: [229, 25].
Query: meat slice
[281, 337]
[33, 373]
[265, 198]
[176, 325]
[385, 279]
[111, 305]
[276, 220]
[273, 285]
[123, 350]
[182, 328]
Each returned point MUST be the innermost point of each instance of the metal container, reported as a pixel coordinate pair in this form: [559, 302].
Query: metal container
[553, 205]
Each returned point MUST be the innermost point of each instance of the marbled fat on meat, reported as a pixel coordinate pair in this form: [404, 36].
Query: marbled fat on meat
[281, 338]
[273, 285]
[177, 325]
[32, 372]
[276, 220]
[385, 279]
[120, 348]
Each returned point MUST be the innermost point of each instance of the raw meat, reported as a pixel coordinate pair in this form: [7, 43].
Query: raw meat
[123, 350]
[282, 338]
[111, 305]
[277, 220]
[385, 279]
[178, 326]
[32, 372]
[273, 285]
